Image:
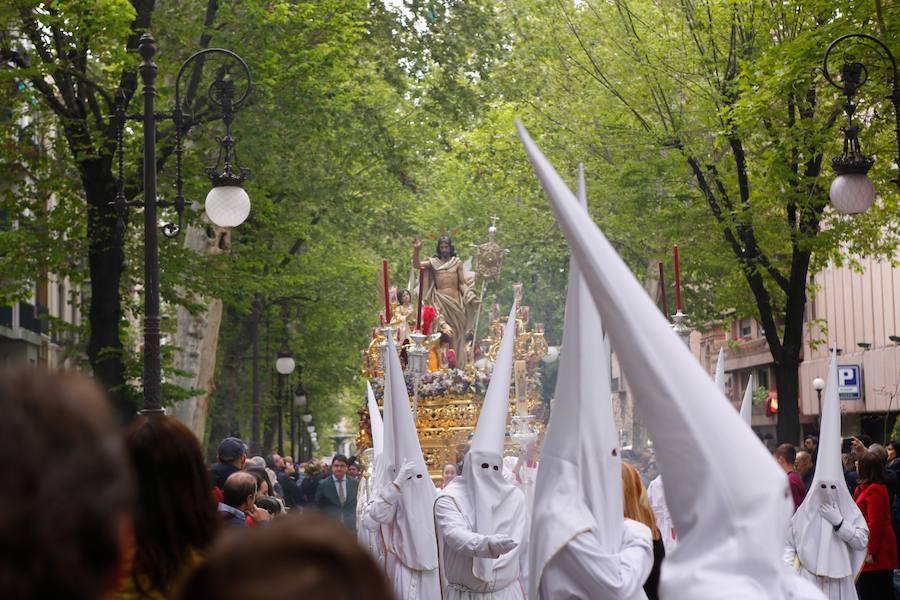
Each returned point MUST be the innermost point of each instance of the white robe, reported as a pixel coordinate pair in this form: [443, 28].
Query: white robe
[459, 545]
[657, 496]
[581, 570]
[833, 589]
[409, 584]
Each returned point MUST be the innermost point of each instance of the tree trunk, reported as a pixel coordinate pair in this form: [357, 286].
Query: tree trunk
[256, 414]
[787, 380]
[197, 337]
[224, 421]
[105, 262]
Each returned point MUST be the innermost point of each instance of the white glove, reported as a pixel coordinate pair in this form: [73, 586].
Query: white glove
[500, 544]
[407, 471]
[831, 513]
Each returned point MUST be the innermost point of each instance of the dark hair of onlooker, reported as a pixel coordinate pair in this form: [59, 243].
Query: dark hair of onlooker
[270, 504]
[312, 469]
[306, 557]
[237, 487]
[895, 444]
[870, 468]
[261, 478]
[67, 493]
[339, 458]
[786, 451]
[176, 514]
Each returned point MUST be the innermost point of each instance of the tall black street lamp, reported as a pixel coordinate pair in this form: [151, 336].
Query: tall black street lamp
[285, 366]
[227, 204]
[299, 404]
[852, 192]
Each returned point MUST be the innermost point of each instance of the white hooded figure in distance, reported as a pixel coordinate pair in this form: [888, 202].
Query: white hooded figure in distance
[730, 529]
[720, 371]
[581, 545]
[480, 517]
[747, 402]
[405, 495]
[368, 531]
[828, 536]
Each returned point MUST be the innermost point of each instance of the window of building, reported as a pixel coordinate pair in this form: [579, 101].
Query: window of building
[762, 378]
[745, 329]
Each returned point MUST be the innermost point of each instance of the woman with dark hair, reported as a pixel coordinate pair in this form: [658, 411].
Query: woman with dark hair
[893, 455]
[875, 581]
[175, 520]
[310, 482]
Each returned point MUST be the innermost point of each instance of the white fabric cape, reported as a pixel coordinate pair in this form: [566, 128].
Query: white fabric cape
[481, 493]
[375, 422]
[747, 402]
[579, 484]
[720, 370]
[819, 549]
[411, 537]
[730, 528]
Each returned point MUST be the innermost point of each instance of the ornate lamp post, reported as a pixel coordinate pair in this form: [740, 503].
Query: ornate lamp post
[851, 191]
[227, 204]
[300, 403]
[819, 384]
[307, 421]
[284, 365]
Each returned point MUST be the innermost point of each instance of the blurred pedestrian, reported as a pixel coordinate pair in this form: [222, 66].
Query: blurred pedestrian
[175, 518]
[67, 494]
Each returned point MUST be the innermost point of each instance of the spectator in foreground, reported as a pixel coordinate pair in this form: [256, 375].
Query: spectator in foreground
[230, 458]
[175, 519]
[871, 495]
[312, 558]
[238, 499]
[67, 492]
[785, 455]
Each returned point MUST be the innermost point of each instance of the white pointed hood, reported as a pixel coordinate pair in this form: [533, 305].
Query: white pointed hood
[820, 551]
[481, 492]
[579, 484]
[411, 537]
[747, 402]
[720, 370]
[375, 423]
[730, 529]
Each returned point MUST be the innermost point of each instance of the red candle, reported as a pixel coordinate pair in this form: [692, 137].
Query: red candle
[677, 281]
[387, 293]
[419, 301]
[662, 290]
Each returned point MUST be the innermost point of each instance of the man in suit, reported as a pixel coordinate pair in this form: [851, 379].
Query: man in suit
[336, 495]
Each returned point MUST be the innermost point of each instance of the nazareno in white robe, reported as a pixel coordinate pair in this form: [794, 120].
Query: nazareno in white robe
[408, 583]
[581, 570]
[460, 546]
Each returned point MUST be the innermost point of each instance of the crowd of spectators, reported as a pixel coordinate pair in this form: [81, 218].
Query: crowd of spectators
[94, 509]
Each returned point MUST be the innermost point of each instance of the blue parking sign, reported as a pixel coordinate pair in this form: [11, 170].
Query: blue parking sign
[849, 382]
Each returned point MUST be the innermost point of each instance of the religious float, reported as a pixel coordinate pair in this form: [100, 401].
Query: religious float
[447, 352]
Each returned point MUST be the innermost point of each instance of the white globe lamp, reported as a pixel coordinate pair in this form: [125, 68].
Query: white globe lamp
[227, 205]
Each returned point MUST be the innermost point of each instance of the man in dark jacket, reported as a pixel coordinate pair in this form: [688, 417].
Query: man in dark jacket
[230, 458]
[289, 489]
[336, 495]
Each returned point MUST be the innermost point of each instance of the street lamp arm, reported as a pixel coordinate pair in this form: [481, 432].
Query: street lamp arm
[865, 36]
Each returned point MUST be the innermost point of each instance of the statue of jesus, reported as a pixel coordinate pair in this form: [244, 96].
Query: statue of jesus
[447, 290]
